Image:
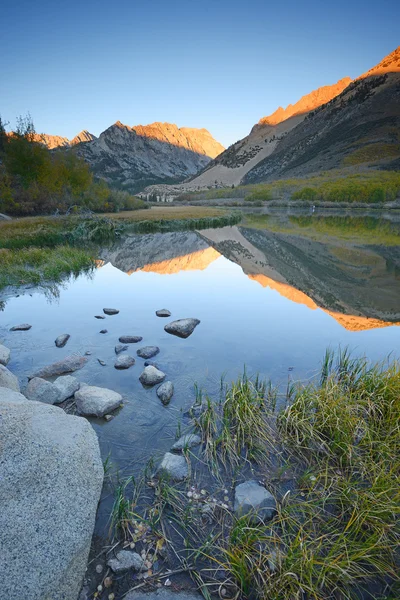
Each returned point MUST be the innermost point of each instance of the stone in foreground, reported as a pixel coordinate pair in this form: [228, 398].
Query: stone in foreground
[187, 441]
[67, 386]
[148, 351]
[99, 317]
[51, 478]
[7, 395]
[120, 348]
[67, 365]
[22, 327]
[62, 340]
[41, 390]
[110, 311]
[130, 339]
[163, 313]
[182, 328]
[163, 594]
[5, 354]
[251, 498]
[124, 361]
[126, 560]
[173, 466]
[8, 380]
[96, 401]
[151, 376]
[165, 391]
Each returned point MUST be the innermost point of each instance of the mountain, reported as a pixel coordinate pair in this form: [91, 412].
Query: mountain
[56, 141]
[133, 157]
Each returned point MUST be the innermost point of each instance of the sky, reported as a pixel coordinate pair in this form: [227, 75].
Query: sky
[218, 64]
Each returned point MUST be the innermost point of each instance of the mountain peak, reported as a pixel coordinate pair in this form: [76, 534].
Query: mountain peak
[389, 64]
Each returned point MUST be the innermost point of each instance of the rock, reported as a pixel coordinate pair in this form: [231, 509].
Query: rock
[120, 348]
[8, 380]
[173, 466]
[124, 361]
[150, 363]
[96, 401]
[130, 339]
[148, 351]
[67, 386]
[163, 594]
[88, 353]
[51, 478]
[99, 317]
[101, 362]
[253, 498]
[187, 441]
[165, 391]
[163, 313]
[125, 560]
[62, 340]
[108, 417]
[104, 331]
[151, 376]
[5, 354]
[66, 365]
[110, 311]
[41, 390]
[182, 328]
[7, 395]
[22, 327]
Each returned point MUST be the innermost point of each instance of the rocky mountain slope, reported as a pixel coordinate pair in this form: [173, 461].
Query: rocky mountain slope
[56, 141]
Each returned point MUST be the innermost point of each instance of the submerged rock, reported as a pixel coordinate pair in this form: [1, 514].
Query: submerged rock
[124, 361]
[51, 478]
[173, 466]
[253, 498]
[96, 401]
[5, 354]
[165, 391]
[125, 560]
[148, 351]
[66, 365]
[120, 348]
[62, 340]
[42, 391]
[130, 339]
[8, 380]
[67, 386]
[110, 311]
[22, 327]
[187, 441]
[151, 376]
[182, 328]
[163, 313]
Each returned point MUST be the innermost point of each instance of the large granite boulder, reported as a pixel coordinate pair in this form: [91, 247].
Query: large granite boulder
[51, 477]
[7, 395]
[42, 391]
[5, 354]
[8, 380]
[182, 328]
[69, 364]
[96, 401]
[151, 376]
[67, 385]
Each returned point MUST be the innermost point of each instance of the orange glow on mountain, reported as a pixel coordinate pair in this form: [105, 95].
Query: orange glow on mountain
[195, 261]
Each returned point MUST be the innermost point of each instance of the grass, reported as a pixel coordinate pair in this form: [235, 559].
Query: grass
[372, 153]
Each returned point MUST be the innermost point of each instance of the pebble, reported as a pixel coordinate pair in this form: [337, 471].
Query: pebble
[108, 583]
[103, 364]
[110, 418]
[99, 568]
[104, 331]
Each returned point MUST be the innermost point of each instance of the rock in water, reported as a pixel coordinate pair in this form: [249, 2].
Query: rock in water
[62, 340]
[151, 376]
[67, 386]
[150, 363]
[187, 441]
[5, 354]
[22, 327]
[110, 311]
[96, 401]
[51, 478]
[130, 339]
[253, 498]
[126, 560]
[67, 365]
[182, 328]
[104, 331]
[163, 313]
[43, 391]
[124, 361]
[148, 351]
[120, 348]
[173, 466]
[165, 391]
[99, 317]
[8, 380]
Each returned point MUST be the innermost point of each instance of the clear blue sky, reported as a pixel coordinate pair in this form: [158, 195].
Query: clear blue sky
[218, 64]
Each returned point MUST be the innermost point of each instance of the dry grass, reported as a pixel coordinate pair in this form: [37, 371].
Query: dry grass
[157, 213]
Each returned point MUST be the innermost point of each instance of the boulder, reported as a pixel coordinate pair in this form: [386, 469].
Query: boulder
[163, 313]
[96, 401]
[148, 351]
[8, 380]
[187, 441]
[66, 365]
[110, 311]
[62, 340]
[125, 560]
[251, 498]
[130, 339]
[5, 355]
[22, 327]
[173, 466]
[120, 348]
[151, 376]
[165, 391]
[67, 386]
[42, 391]
[7, 395]
[182, 328]
[51, 478]
[124, 361]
